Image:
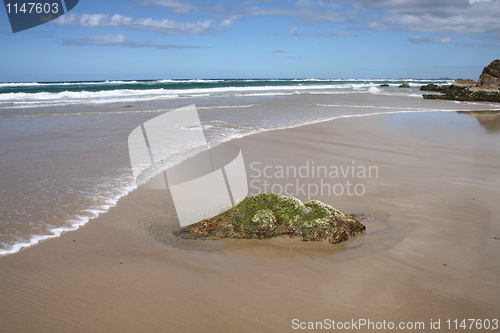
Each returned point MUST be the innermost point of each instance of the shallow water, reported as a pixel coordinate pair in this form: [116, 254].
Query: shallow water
[65, 157]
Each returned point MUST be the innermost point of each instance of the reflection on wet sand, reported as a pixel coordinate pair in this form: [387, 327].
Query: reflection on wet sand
[489, 120]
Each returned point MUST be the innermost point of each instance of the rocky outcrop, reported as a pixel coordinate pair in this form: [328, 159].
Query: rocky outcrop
[430, 87]
[404, 85]
[270, 215]
[487, 89]
[454, 93]
[490, 78]
[461, 83]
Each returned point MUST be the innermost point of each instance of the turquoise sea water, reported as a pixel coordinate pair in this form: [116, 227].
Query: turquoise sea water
[104, 92]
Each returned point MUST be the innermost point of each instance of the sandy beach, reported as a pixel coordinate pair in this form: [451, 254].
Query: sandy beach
[429, 254]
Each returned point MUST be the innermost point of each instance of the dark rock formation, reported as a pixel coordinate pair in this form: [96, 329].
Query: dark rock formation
[490, 78]
[487, 89]
[454, 93]
[270, 215]
[431, 87]
[404, 85]
[384, 85]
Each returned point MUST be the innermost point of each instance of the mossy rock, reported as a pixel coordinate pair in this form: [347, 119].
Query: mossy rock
[271, 215]
[457, 93]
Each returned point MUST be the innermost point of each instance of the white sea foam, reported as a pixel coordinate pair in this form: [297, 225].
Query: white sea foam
[74, 223]
[67, 97]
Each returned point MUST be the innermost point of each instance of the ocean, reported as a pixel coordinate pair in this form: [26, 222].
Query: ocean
[64, 152]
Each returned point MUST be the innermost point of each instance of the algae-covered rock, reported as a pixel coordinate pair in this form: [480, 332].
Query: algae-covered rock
[471, 94]
[430, 87]
[271, 215]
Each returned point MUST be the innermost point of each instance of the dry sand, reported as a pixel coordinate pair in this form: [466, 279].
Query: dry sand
[430, 251]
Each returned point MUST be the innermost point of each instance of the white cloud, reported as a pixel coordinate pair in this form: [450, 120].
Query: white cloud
[339, 33]
[424, 40]
[309, 3]
[166, 27]
[178, 6]
[117, 40]
[295, 32]
[306, 11]
[106, 39]
[434, 16]
[167, 3]
[444, 16]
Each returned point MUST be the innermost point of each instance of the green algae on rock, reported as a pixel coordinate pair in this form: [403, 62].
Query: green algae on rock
[268, 215]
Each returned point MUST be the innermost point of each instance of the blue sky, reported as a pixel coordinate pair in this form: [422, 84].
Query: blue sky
[160, 39]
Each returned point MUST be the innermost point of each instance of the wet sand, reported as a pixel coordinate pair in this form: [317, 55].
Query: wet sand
[430, 251]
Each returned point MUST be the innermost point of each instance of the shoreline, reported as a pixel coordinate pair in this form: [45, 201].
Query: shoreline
[58, 231]
[429, 251]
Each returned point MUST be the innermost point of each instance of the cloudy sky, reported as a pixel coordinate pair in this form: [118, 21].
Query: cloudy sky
[154, 39]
